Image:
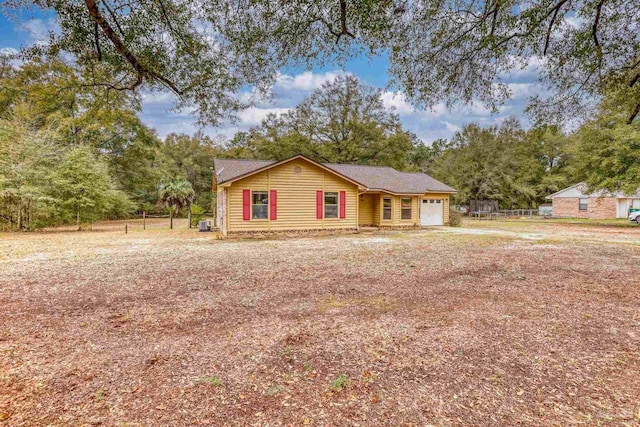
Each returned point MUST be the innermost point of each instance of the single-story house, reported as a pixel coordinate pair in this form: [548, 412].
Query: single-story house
[301, 194]
[576, 202]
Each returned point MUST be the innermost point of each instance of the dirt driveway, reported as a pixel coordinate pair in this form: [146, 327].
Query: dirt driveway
[435, 327]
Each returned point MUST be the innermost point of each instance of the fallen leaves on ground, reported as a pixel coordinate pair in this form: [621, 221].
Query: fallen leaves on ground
[397, 328]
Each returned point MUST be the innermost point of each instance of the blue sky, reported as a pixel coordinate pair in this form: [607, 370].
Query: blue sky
[294, 85]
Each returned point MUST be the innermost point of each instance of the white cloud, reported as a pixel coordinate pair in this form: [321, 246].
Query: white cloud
[306, 81]
[158, 98]
[253, 116]
[397, 100]
[522, 90]
[8, 51]
[428, 124]
[575, 21]
[452, 127]
[38, 30]
[477, 109]
[436, 111]
[523, 69]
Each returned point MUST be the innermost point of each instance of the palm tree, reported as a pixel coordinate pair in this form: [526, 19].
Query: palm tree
[176, 194]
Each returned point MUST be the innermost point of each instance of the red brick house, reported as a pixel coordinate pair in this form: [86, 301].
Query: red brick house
[576, 202]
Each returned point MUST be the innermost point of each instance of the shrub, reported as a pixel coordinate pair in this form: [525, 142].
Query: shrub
[455, 218]
[197, 213]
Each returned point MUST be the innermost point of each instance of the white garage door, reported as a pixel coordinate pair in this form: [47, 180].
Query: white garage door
[432, 212]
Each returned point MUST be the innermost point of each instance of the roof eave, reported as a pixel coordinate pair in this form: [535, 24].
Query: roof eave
[410, 193]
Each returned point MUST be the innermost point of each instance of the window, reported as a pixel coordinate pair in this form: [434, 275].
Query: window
[386, 208]
[260, 205]
[583, 204]
[331, 205]
[406, 209]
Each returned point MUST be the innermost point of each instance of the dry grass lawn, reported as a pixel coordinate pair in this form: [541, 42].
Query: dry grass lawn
[495, 324]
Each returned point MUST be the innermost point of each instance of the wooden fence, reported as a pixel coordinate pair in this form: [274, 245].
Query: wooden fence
[504, 213]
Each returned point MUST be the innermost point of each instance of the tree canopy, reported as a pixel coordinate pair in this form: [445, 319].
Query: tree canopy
[606, 151]
[205, 51]
[83, 186]
[71, 152]
[505, 163]
[343, 121]
[192, 157]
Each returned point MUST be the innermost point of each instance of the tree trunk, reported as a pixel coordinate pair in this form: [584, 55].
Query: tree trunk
[171, 219]
[189, 216]
[19, 215]
[28, 215]
[78, 219]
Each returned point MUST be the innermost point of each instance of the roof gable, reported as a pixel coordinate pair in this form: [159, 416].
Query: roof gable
[576, 190]
[381, 178]
[234, 169]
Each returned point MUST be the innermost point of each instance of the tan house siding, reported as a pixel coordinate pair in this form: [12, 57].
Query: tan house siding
[377, 215]
[257, 182]
[396, 211]
[366, 209]
[296, 203]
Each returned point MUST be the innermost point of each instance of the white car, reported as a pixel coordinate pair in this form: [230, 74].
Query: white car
[635, 216]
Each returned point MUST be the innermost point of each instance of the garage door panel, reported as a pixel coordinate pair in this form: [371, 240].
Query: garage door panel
[432, 212]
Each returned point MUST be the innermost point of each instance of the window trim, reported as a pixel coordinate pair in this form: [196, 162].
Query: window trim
[580, 204]
[384, 208]
[325, 204]
[403, 209]
[266, 192]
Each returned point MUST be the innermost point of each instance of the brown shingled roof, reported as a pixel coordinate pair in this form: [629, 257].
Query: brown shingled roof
[373, 177]
[389, 179]
[229, 169]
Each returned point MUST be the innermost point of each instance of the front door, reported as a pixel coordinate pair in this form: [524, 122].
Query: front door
[432, 212]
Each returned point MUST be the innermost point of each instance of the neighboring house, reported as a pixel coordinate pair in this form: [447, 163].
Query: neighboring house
[300, 194]
[575, 202]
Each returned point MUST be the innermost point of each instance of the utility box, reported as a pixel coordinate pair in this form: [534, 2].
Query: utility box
[204, 226]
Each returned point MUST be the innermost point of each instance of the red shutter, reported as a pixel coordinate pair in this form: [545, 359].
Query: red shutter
[343, 204]
[246, 205]
[319, 204]
[273, 204]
